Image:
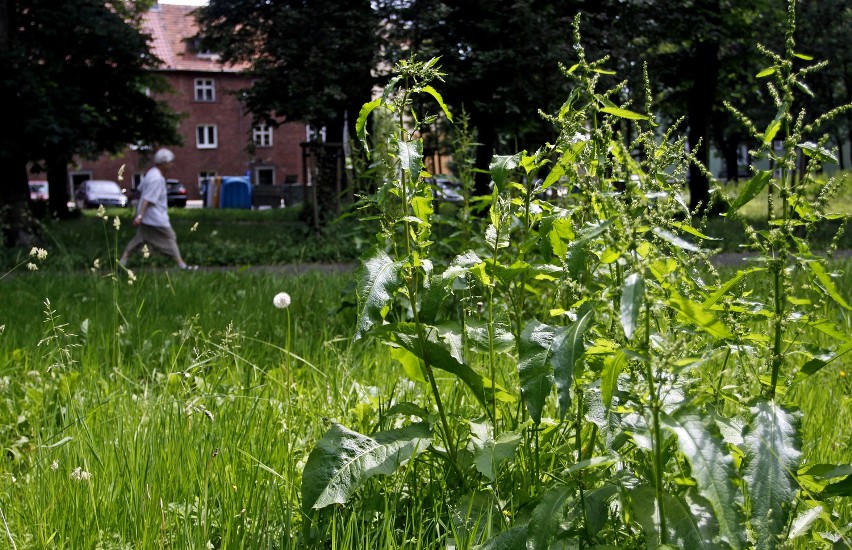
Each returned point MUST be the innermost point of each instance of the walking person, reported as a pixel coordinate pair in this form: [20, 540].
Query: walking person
[152, 217]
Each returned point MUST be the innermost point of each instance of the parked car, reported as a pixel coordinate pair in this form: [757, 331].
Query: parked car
[175, 193]
[38, 191]
[447, 189]
[93, 193]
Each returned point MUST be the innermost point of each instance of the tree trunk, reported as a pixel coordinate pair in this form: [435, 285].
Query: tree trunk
[699, 106]
[57, 182]
[486, 136]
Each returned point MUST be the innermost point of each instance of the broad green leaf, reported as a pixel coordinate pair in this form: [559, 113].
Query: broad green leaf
[771, 131]
[378, 279]
[343, 460]
[490, 453]
[803, 522]
[804, 56]
[439, 354]
[411, 158]
[751, 189]
[623, 113]
[434, 93]
[568, 347]
[772, 447]
[410, 363]
[534, 369]
[361, 123]
[699, 316]
[839, 489]
[686, 228]
[700, 441]
[545, 518]
[827, 284]
[766, 72]
[479, 339]
[501, 168]
[818, 363]
[613, 367]
[632, 295]
[597, 502]
[822, 154]
[671, 238]
[513, 539]
[727, 285]
[689, 520]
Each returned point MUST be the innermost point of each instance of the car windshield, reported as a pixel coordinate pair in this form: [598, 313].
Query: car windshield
[104, 187]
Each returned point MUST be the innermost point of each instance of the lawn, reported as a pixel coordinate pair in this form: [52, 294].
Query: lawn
[179, 412]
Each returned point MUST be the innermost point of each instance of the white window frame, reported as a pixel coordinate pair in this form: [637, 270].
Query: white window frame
[206, 136]
[261, 135]
[205, 90]
[259, 169]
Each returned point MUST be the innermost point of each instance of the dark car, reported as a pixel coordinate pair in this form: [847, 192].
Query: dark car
[94, 193]
[175, 193]
[39, 191]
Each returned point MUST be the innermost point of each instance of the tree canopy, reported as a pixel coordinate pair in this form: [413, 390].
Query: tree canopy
[76, 81]
[312, 60]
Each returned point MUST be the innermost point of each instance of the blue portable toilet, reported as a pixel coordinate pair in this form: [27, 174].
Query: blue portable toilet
[235, 192]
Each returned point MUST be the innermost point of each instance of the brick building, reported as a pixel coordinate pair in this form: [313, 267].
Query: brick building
[219, 138]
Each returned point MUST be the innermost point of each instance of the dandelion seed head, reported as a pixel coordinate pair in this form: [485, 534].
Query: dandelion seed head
[281, 300]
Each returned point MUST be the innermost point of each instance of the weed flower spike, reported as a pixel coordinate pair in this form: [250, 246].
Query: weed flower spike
[39, 253]
[281, 300]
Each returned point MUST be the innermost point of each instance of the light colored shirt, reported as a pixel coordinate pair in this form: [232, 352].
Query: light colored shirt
[154, 191]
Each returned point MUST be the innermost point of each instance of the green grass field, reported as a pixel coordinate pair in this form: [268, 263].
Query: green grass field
[178, 410]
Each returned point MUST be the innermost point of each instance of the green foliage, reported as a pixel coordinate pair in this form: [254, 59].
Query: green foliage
[635, 311]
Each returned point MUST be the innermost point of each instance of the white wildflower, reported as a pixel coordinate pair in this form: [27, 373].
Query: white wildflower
[210, 545]
[102, 212]
[131, 277]
[145, 252]
[116, 223]
[54, 465]
[4, 383]
[121, 172]
[80, 474]
[32, 267]
[281, 300]
[39, 253]
[96, 265]
[194, 227]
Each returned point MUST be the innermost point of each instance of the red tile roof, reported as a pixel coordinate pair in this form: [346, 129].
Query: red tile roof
[172, 27]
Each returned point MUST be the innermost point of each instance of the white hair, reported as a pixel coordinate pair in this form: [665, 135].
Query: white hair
[163, 156]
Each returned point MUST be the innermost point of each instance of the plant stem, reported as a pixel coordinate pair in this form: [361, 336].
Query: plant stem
[657, 433]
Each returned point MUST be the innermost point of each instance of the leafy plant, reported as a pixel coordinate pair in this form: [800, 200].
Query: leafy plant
[590, 280]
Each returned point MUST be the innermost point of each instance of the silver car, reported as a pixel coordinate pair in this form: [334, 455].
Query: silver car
[93, 193]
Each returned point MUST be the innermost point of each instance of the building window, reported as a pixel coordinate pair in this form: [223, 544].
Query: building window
[205, 89]
[205, 178]
[264, 176]
[206, 136]
[262, 135]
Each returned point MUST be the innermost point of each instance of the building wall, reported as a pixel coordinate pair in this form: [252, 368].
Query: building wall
[233, 156]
